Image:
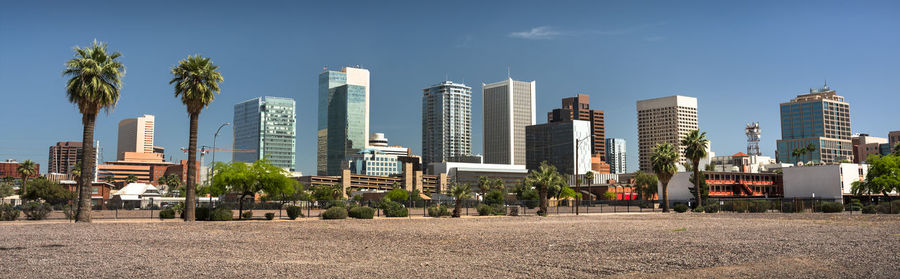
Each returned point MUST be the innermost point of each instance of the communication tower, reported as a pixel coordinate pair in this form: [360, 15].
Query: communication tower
[753, 134]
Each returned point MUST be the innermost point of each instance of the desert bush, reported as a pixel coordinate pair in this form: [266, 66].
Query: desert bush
[759, 206]
[438, 211]
[681, 208]
[8, 212]
[335, 213]
[221, 214]
[514, 210]
[294, 211]
[167, 214]
[888, 207]
[712, 208]
[499, 209]
[393, 209]
[698, 209]
[247, 214]
[494, 197]
[854, 205]
[788, 207]
[485, 210]
[738, 206]
[270, 216]
[201, 213]
[36, 210]
[869, 209]
[361, 212]
[831, 207]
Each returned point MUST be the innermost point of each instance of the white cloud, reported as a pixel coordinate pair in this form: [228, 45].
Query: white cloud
[537, 33]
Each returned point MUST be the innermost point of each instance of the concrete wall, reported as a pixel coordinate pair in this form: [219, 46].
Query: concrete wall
[826, 182]
[678, 187]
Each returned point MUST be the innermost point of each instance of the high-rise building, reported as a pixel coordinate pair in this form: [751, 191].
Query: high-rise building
[615, 155]
[564, 144]
[509, 107]
[664, 120]
[446, 122]
[893, 139]
[135, 135]
[580, 109]
[820, 119]
[267, 125]
[343, 117]
[63, 156]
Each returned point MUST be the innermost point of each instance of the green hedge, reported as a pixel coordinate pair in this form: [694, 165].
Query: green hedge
[712, 208]
[222, 214]
[869, 209]
[294, 211]
[832, 207]
[36, 210]
[167, 214]
[270, 216]
[681, 208]
[335, 213]
[362, 212]
[8, 212]
[393, 209]
[247, 214]
[888, 207]
[485, 210]
[438, 211]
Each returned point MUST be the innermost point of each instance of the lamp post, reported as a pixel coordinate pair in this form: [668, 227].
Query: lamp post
[213, 163]
[577, 182]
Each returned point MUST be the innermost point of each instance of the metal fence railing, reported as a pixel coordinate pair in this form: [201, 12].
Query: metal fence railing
[314, 209]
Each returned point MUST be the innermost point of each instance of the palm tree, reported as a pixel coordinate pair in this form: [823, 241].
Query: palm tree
[460, 192]
[543, 178]
[197, 83]
[131, 179]
[94, 84]
[663, 161]
[695, 145]
[484, 185]
[26, 169]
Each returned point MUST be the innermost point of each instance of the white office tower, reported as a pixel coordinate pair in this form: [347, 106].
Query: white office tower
[664, 120]
[509, 106]
[446, 123]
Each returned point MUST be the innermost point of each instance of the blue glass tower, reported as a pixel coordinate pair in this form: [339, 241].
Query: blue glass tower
[821, 120]
[343, 118]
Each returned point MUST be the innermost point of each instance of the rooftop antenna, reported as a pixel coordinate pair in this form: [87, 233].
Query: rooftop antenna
[507, 72]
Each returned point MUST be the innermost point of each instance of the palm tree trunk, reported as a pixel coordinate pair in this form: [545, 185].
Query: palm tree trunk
[697, 183]
[665, 196]
[87, 169]
[241, 207]
[458, 208]
[24, 186]
[190, 196]
[543, 193]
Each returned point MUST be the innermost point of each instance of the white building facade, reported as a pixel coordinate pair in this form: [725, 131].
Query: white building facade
[664, 120]
[616, 155]
[509, 106]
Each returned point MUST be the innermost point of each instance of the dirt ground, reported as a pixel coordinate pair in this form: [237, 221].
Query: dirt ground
[609, 245]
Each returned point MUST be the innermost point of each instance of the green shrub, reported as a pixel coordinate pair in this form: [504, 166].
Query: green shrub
[759, 206]
[69, 212]
[167, 214]
[438, 211]
[36, 210]
[294, 211]
[397, 194]
[869, 209]
[393, 209]
[8, 212]
[361, 212]
[531, 198]
[738, 206]
[888, 207]
[270, 216]
[788, 207]
[247, 214]
[832, 207]
[499, 209]
[681, 208]
[712, 208]
[494, 197]
[335, 213]
[854, 205]
[485, 210]
[698, 209]
[201, 213]
[221, 214]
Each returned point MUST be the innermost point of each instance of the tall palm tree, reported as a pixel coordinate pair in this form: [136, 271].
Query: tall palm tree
[95, 81]
[484, 185]
[543, 178]
[26, 169]
[460, 192]
[196, 81]
[695, 145]
[663, 162]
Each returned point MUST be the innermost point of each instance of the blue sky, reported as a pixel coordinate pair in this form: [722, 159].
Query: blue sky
[740, 59]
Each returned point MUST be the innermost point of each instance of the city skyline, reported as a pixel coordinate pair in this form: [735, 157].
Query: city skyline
[752, 65]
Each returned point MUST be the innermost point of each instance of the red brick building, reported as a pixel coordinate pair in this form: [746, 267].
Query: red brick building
[8, 168]
[100, 191]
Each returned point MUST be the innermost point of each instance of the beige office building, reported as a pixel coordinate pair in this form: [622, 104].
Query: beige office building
[508, 107]
[135, 135]
[664, 120]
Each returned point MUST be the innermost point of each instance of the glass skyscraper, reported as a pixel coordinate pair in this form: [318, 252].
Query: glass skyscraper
[820, 118]
[616, 156]
[343, 117]
[267, 125]
[446, 123]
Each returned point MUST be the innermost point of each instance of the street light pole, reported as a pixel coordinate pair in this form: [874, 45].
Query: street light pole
[213, 163]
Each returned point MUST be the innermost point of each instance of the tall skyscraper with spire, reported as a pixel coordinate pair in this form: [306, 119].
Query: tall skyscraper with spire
[343, 117]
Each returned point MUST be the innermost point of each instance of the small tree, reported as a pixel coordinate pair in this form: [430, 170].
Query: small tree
[663, 161]
[49, 191]
[6, 190]
[646, 184]
[26, 169]
[460, 192]
[397, 194]
[695, 144]
[543, 179]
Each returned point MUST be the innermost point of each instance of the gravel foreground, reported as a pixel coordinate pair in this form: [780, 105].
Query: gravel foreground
[633, 245]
